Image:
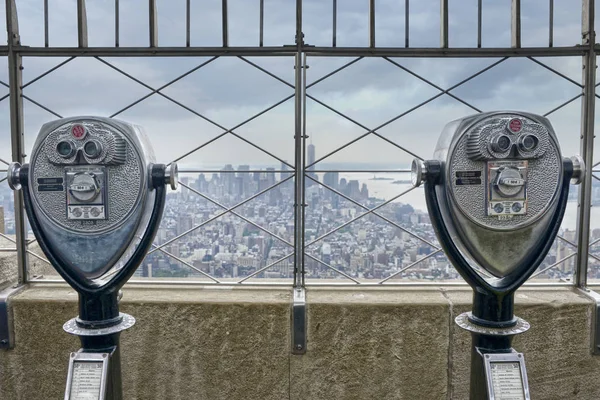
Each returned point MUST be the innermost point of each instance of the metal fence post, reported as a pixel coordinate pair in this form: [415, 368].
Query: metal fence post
[16, 130]
[587, 141]
[299, 297]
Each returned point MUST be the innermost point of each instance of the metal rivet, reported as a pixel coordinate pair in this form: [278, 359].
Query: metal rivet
[299, 347]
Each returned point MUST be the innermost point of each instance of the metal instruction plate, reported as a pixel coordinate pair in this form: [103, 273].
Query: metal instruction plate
[507, 188]
[506, 376]
[87, 376]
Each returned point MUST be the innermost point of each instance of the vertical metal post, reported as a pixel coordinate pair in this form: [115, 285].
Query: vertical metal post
[262, 23]
[299, 143]
[17, 137]
[298, 314]
[444, 24]
[371, 23]
[587, 141]
[82, 31]
[116, 23]
[153, 23]
[479, 23]
[406, 23]
[225, 27]
[551, 23]
[188, 27]
[46, 39]
[334, 31]
[515, 24]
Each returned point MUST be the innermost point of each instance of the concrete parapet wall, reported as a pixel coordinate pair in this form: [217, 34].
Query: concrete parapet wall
[234, 343]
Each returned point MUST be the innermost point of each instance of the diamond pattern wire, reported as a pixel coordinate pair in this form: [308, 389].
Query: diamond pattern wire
[369, 132]
[225, 131]
[374, 132]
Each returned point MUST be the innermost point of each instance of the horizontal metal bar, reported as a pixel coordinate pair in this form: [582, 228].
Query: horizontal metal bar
[147, 51]
[433, 52]
[219, 171]
[273, 51]
[372, 171]
[310, 282]
[8, 250]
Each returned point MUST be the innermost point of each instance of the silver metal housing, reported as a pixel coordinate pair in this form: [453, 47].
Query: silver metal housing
[112, 189]
[498, 241]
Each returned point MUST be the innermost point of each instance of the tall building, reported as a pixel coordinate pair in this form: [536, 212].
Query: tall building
[331, 179]
[271, 176]
[310, 159]
[284, 175]
[2, 226]
[228, 178]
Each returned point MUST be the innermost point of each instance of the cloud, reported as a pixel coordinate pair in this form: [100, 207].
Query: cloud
[229, 90]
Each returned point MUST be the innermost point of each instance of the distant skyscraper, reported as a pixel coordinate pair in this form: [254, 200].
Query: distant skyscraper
[2, 227]
[284, 175]
[228, 178]
[331, 179]
[311, 156]
[271, 176]
[310, 159]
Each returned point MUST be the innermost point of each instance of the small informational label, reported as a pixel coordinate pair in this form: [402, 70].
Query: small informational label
[50, 181]
[51, 188]
[87, 379]
[507, 383]
[92, 212]
[468, 178]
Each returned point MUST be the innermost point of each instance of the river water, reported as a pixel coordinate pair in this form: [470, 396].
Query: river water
[385, 189]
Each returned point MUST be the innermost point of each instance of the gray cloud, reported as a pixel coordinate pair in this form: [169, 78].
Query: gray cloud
[228, 90]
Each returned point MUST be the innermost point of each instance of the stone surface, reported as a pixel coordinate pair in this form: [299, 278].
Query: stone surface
[556, 348]
[186, 344]
[194, 342]
[373, 344]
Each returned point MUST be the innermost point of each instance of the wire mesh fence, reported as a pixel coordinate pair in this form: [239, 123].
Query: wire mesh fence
[294, 124]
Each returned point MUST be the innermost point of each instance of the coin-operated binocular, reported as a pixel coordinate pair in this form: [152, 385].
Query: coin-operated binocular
[496, 193]
[94, 198]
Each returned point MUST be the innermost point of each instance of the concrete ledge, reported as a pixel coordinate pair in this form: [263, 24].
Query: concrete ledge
[363, 343]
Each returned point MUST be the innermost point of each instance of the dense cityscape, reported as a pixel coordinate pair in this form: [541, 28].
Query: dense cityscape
[239, 223]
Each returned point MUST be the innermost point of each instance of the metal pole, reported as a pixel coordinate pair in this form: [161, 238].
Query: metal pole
[299, 143]
[153, 23]
[16, 130]
[515, 23]
[444, 24]
[587, 142]
[82, 31]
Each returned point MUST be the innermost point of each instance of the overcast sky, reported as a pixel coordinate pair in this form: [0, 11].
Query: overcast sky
[229, 90]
